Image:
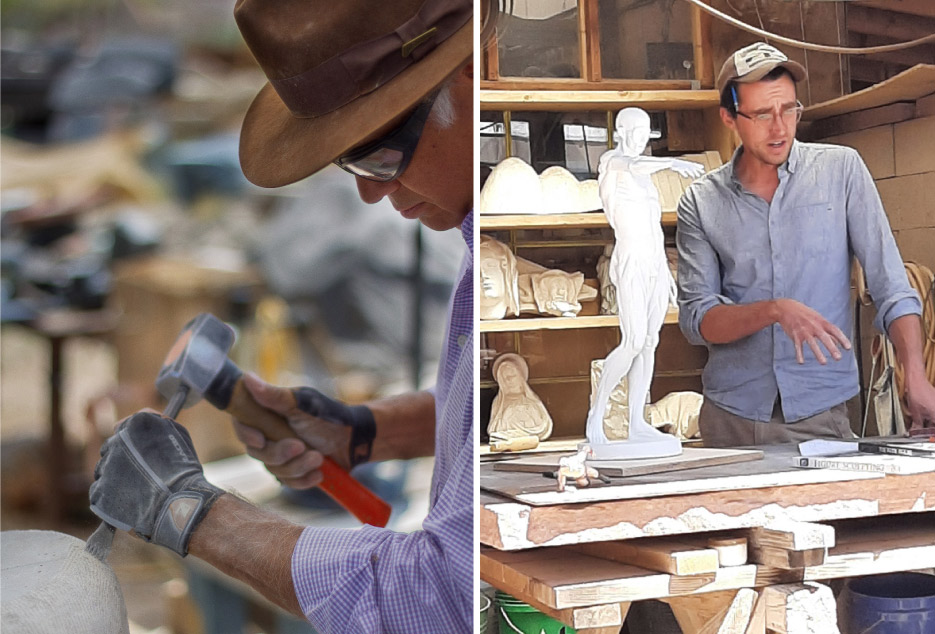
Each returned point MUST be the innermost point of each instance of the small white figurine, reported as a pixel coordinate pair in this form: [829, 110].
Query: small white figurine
[575, 468]
[640, 273]
[516, 407]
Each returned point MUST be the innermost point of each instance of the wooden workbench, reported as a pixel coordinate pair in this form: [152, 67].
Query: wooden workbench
[584, 556]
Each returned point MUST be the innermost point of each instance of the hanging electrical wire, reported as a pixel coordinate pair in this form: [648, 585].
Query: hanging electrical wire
[846, 50]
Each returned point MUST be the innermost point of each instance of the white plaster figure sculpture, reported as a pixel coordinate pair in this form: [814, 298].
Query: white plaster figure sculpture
[640, 273]
[575, 468]
[499, 293]
[608, 290]
[513, 187]
[516, 406]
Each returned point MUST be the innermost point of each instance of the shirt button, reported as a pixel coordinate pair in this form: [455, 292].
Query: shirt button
[462, 339]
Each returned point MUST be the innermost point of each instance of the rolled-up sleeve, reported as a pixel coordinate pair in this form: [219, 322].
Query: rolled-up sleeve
[374, 580]
[699, 279]
[875, 247]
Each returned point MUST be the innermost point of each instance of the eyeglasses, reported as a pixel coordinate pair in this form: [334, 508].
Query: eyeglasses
[387, 158]
[790, 114]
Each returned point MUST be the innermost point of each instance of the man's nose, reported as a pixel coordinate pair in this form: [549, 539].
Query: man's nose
[372, 191]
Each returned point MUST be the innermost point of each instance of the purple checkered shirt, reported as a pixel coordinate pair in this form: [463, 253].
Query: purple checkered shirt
[376, 580]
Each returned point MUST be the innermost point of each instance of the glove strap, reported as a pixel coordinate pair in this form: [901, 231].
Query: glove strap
[180, 514]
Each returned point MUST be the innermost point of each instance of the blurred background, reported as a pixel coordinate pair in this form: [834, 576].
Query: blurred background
[124, 214]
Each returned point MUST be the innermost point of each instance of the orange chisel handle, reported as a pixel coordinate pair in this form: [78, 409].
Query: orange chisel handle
[338, 483]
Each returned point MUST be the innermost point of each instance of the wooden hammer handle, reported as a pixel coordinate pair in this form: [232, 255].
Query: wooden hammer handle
[360, 501]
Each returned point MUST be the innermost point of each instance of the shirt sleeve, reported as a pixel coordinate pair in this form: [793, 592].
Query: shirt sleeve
[699, 278]
[377, 580]
[872, 241]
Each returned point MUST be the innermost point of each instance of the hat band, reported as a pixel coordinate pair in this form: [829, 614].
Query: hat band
[368, 65]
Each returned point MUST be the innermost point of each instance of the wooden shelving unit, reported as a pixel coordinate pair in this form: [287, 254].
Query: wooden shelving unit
[583, 220]
[583, 101]
[521, 324]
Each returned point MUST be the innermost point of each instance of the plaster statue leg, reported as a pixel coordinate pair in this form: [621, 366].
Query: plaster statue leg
[616, 366]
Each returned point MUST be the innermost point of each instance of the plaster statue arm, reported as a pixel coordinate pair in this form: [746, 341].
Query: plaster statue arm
[805, 326]
[653, 164]
[906, 335]
[251, 545]
[405, 428]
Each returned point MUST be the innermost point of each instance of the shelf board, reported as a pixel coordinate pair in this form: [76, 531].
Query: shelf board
[523, 324]
[546, 221]
[590, 100]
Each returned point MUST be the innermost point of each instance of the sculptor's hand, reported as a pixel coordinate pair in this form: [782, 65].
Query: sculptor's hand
[920, 397]
[688, 169]
[149, 480]
[324, 425]
[806, 326]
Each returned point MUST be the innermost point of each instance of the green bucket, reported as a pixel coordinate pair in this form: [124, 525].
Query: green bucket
[516, 617]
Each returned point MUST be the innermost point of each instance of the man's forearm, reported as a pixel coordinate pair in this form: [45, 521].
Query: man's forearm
[405, 426]
[251, 545]
[728, 323]
[906, 334]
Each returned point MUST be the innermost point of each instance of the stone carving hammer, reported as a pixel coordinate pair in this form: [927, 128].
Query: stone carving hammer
[197, 367]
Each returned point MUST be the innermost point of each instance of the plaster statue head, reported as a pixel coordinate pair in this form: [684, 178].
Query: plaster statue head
[511, 372]
[499, 295]
[633, 131]
[556, 292]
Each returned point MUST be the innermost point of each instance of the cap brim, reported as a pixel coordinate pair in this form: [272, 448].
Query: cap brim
[277, 148]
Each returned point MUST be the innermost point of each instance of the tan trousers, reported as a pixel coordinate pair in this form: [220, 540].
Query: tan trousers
[720, 428]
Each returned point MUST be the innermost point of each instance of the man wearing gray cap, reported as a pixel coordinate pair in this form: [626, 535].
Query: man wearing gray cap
[765, 245]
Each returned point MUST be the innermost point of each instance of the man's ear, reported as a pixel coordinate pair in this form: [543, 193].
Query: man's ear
[727, 119]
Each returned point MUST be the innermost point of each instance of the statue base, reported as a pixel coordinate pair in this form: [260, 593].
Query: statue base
[645, 441]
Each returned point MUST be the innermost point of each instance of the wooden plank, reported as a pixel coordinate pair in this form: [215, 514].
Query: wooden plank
[695, 612]
[580, 85]
[792, 535]
[925, 107]
[690, 458]
[573, 101]
[535, 490]
[511, 525]
[675, 556]
[523, 324]
[801, 608]
[590, 40]
[909, 85]
[701, 43]
[544, 221]
[492, 59]
[784, 558]
[915, 7]
[862, 119]
[889, 24]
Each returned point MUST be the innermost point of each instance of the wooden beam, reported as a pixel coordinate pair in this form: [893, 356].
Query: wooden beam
[786, 559]
[577, 85]
[701, 42]
[867, 70]
[589, 39]
[915, 7]
[571, 101]
[492, 59]
[896, 26]
[909, 57]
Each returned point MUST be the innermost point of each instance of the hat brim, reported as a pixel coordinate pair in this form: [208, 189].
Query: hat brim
[277, 148]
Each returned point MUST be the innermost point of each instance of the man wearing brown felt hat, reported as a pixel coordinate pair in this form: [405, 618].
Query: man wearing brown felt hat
[385, 91]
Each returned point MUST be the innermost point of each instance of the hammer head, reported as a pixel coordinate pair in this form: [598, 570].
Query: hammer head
[196, 358]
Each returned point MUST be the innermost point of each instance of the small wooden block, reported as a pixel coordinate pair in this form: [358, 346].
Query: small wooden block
[793, 536]
[801, 608]
[787, 559]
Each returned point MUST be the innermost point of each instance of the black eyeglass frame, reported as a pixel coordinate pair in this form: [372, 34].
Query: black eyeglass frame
[404, 139]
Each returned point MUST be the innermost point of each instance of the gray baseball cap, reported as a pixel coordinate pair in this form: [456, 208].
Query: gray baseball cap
[752, 63]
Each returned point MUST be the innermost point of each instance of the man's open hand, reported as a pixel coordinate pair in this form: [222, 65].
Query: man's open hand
[806, 326]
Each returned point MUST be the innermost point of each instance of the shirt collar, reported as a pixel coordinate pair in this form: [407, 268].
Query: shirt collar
[467, 232]
[789, 166]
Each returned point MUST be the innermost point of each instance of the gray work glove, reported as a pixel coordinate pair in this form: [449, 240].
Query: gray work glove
[149, 480]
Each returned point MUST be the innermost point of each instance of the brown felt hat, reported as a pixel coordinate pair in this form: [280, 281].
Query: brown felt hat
[338, 72]
[752, 63]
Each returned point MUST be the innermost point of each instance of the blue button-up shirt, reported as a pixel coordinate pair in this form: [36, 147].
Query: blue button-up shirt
[373, 580]
[735, 248]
